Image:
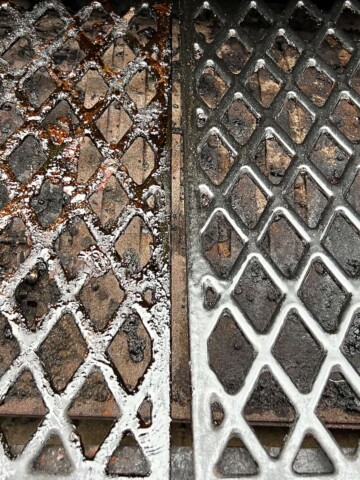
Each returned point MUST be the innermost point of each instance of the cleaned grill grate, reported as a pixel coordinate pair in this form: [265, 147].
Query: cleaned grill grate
[273, 246]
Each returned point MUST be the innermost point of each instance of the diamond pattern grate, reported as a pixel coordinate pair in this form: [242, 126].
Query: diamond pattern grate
[272, 170]
[84, 239]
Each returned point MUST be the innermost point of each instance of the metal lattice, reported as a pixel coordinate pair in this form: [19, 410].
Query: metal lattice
[274, 231]
[84, 250]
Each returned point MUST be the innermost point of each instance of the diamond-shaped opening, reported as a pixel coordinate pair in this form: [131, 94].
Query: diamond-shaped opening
[144, 24]
[236, 460]
[211, 296]
[216, 158]
[108, 201]
[74, 240]
[316, 84]
[248, 200]
[55, 449]
[9, 345]
[230, 353]
[139, 160]
[311, 459]
[240, 121]
[114, 122]
[207, 24]
[92, 88]
[351, 344]
[217, 413]
[263, 86]
[68, 56]
[295, 119]
[135, 245]
[284, 54]
[26, 159]
[7, 22]
[39, 87]
[19, 54]
[304, 23]
[211, 87]
[35, 295]
[324, 296]
[348, 22]
[346, 117]
[62, 352]
[299, 354]
[329, 157]
[131, 352]
[13, 428]
[234, 54]
[48, 204]
[128, 460]
[89, 160]
[339, 402]
[98, 25]
[101, 297]
[10, 121]
[255, 24]
[142, 88]
[334, 53]
[258, 296]
[343, 243]
[93, 400]
[11, 424]
[15, 245]
[23, 387]
[62, 116]
[144, 413]
[221, 244]
[272, 159]
[268, 399]
[49, 26]
[353, 195]
[92, 433]
[307, 199]
[274, 442]
[284, 245]
[348, 439]
[118, 55]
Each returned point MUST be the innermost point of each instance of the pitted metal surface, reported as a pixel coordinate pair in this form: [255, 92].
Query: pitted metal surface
[272, 103]
[84, 242]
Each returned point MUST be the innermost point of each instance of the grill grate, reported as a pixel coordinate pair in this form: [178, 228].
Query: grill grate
[273, 109]
[270, 107]
[84, 241]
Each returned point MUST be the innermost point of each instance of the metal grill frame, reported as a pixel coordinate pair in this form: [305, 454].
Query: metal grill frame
[208, 441]
[155, 440]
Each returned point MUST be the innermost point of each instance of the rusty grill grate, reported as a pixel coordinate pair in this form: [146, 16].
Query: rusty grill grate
[274, 233]
[84, 325]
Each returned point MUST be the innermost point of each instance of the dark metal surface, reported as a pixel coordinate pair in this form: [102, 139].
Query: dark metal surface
[272, 105]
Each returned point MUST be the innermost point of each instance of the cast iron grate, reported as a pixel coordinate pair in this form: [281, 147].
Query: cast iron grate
[272, 209]
[84, 240]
